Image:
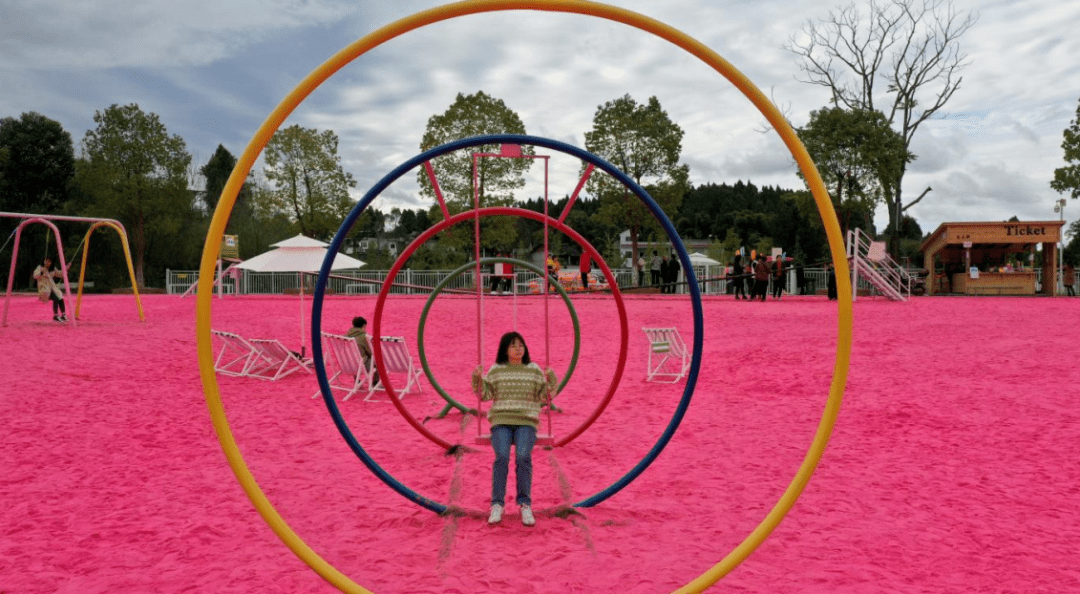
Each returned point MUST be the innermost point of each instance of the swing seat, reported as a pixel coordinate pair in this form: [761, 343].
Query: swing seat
[542, 439]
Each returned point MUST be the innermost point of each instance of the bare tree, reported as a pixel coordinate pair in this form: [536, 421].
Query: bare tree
[909, 47]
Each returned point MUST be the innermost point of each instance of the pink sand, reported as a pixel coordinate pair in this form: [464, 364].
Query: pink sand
[953, 467]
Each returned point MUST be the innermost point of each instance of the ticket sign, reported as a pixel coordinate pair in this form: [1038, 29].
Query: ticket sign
[973, 235]
[230, 247]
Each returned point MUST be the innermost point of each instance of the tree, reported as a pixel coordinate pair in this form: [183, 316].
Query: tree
[135, 172]
[37, 165]
[858, 156]
[474, 115]
[308, 182]
[642, 142]
[912, 46]
[1067, 179]
[1071, 253]
[216, 172]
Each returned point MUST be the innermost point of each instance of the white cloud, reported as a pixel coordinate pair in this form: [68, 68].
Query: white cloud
[156, 33]
[214, 70]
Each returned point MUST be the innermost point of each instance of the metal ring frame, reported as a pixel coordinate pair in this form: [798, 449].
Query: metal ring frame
[468, 7]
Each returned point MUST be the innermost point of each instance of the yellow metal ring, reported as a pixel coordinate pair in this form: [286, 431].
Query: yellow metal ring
[467, 7]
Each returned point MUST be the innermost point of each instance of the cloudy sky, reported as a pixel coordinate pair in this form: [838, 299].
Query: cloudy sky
[214, 69]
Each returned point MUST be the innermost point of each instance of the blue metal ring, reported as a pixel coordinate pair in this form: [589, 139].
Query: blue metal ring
[378, 188]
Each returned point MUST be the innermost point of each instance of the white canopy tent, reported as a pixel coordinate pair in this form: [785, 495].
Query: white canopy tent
[708, 268]
[298, 254]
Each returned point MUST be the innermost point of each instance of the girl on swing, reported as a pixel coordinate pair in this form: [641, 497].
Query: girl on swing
[517, 388]
[48, 289]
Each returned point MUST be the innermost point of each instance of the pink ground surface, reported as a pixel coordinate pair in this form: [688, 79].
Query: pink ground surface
[953, 467]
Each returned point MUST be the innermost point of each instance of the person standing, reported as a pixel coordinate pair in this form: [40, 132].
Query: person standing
[508, 276]
[665, 274]
[641, 269]
[739, 279]
[496, 277]
[517, 388]
[48, 289]
[584, 266]
[830, 283]
[1068, 278]
[654, 269]
[761, 278]
[778, 277]
[673, 273]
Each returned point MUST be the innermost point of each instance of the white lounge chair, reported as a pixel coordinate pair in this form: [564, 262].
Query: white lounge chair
[273, 361]
[669, 360]
[398, 361]
[348, 361]
[235, 356]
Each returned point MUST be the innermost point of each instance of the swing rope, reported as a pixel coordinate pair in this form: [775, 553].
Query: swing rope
[479, 291]
[547, 320]
[8, 240]
[71, 260]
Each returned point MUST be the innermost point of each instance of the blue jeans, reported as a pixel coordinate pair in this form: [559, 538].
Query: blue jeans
[523, 437]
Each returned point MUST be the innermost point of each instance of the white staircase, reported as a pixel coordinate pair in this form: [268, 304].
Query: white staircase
[870, 261]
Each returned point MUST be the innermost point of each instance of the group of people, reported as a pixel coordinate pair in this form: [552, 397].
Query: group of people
[757, 273]
[663, 271]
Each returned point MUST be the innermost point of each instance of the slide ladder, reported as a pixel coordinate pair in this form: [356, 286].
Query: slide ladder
[870, 261]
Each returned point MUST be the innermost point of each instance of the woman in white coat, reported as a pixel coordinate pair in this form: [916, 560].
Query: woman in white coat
[48, 290]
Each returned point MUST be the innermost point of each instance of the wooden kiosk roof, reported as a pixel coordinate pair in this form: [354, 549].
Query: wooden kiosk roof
[1005, 234]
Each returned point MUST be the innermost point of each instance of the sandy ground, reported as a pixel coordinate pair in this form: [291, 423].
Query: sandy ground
[953, 467]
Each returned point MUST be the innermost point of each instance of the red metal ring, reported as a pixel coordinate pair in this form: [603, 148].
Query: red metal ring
[485, 212]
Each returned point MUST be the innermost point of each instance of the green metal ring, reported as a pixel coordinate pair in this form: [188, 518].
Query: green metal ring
[442, 285]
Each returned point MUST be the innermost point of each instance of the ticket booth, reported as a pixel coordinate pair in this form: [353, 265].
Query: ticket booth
[991, 258]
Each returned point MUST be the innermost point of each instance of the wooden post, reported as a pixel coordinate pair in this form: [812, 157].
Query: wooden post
[1049, 269]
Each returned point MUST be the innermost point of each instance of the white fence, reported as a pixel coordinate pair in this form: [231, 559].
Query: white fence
[420, 281]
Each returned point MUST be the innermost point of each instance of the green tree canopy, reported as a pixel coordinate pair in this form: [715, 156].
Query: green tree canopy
[135, 172]
[303, 166]
[216, 172]
[642, 142]
[1067, 179]
[859, 156]
[474, 115]
[37, 165]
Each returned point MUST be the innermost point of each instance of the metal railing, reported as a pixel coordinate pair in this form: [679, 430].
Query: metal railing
[870, 264]
[369, 281]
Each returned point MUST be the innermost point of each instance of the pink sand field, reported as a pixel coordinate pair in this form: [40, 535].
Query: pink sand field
[954, 465]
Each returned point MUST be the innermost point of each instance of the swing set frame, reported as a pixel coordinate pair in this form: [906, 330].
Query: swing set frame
[95, 223]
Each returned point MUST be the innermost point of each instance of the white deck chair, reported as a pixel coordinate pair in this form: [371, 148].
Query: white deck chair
[235, 356]
[273, 361]
[345, 354]
[398, 361]
[668, 357]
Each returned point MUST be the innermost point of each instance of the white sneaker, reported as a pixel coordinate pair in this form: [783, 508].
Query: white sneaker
[496, 514]
[527, 516]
